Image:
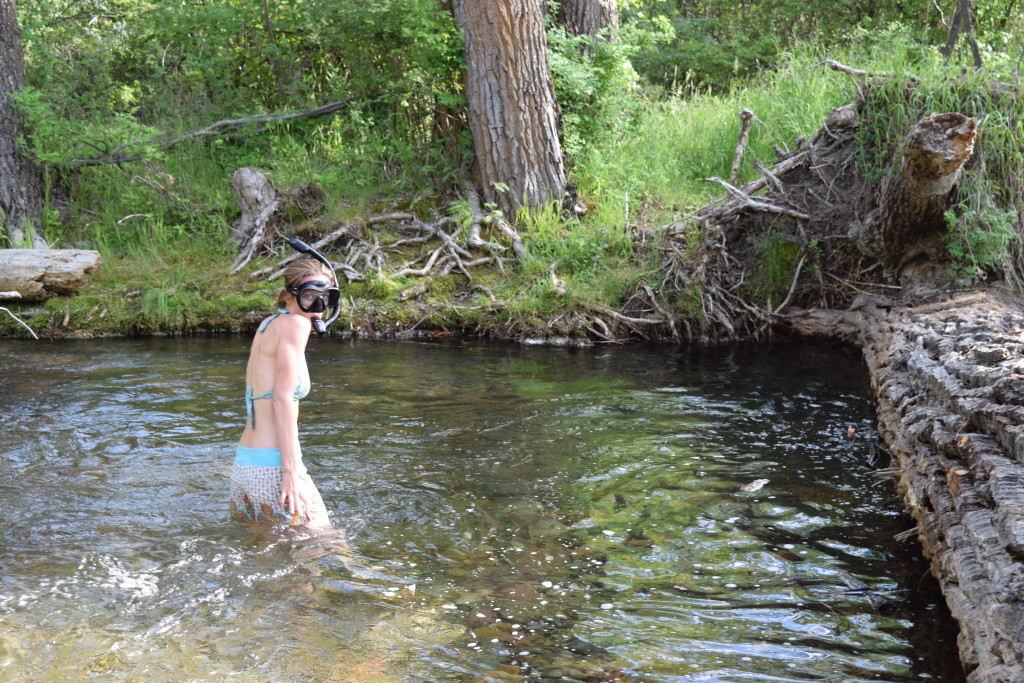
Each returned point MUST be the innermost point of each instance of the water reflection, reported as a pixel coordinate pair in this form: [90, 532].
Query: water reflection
[512, 514]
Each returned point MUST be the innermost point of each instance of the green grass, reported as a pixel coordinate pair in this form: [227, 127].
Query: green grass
[681, 141]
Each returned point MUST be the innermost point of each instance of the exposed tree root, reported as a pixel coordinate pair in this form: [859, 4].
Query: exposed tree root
[808, 198]
[442, 251]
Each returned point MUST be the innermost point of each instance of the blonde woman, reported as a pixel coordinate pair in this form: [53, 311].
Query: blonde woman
[269, 482]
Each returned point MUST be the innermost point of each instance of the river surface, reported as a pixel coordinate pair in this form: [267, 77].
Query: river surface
[502, 513]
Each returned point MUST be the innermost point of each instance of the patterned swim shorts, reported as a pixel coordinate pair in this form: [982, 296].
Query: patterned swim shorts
[256, 489]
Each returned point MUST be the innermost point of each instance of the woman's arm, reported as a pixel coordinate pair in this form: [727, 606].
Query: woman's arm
[291, 344]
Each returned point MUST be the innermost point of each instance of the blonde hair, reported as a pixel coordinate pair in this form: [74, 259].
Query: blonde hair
[296, 272]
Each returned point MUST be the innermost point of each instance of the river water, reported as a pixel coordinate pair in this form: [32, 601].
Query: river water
[511, 514]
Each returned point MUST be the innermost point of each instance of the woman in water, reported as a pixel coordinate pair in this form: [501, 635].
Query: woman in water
[269, 483]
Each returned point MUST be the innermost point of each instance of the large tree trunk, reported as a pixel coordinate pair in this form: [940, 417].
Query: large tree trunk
[21, 197]
[588, 17]
[511, 102]
[910, 219]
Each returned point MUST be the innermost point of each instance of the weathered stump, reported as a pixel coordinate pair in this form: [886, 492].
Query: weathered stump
[910, 218]
[259, 202]
[949, 381]
[39, 274]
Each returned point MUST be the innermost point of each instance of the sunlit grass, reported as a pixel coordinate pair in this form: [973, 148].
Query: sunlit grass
[680, 142]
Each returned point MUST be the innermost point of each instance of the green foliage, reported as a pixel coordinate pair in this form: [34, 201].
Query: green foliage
[93, 58]
[596, 88]
[699, 45]
[982, 236]
[984, 221]
[571, 247]
[774, 263]
[105, 73]
[682, 141]
[58, 140]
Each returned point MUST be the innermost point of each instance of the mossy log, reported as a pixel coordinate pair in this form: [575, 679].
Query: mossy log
[949, 381]
[39, 274]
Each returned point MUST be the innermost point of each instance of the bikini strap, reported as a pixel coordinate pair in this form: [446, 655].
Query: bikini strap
[249, 398]
[269, 320]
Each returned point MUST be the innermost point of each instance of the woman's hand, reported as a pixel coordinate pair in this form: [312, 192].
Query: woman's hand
[297, 492]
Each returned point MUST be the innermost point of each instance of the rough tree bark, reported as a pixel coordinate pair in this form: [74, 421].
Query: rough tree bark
[511, 103]
[588, 17]
[21, 196]
[909, 221]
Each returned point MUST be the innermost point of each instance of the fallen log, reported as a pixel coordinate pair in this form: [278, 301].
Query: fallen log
[40, 274]
[949, 381]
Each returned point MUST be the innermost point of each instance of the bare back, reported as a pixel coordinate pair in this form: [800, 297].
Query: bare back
[276, 367]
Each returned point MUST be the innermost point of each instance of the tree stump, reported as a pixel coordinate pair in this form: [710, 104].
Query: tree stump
[910, 219]
[39, 274]
[259, 202]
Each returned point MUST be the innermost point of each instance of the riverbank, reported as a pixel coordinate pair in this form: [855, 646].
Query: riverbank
[184, 290]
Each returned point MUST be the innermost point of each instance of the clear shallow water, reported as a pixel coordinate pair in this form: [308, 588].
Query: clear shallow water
[511, 514]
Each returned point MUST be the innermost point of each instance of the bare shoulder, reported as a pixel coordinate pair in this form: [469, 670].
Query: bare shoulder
[294, 329]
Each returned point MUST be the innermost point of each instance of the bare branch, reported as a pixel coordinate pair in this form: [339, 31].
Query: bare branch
[7, 295]
[119, 154]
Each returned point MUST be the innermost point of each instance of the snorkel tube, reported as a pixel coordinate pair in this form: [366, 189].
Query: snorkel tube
[298, 245]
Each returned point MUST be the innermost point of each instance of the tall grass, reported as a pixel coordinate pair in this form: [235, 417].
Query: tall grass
[679, 142]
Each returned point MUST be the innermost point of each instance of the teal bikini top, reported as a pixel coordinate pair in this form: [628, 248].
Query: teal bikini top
[301, 388]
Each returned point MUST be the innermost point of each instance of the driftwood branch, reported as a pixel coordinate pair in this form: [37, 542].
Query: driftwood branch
[623, 318]
[331, 237]
[18, 320]
[752, 203]
[15, 295]
[40, 274]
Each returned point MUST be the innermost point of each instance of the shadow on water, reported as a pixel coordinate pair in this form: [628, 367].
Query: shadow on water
[510, 514]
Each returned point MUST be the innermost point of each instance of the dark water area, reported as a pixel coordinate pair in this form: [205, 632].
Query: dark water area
[511, 514]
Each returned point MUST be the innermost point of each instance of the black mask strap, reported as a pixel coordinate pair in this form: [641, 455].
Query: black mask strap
[298, 245]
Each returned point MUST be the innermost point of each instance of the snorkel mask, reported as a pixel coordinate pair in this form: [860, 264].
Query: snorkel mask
[316, 296]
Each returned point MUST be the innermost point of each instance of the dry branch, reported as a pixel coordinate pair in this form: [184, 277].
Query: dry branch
[18, 320]
[119, 155]
[741, 145]
[623, 318]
